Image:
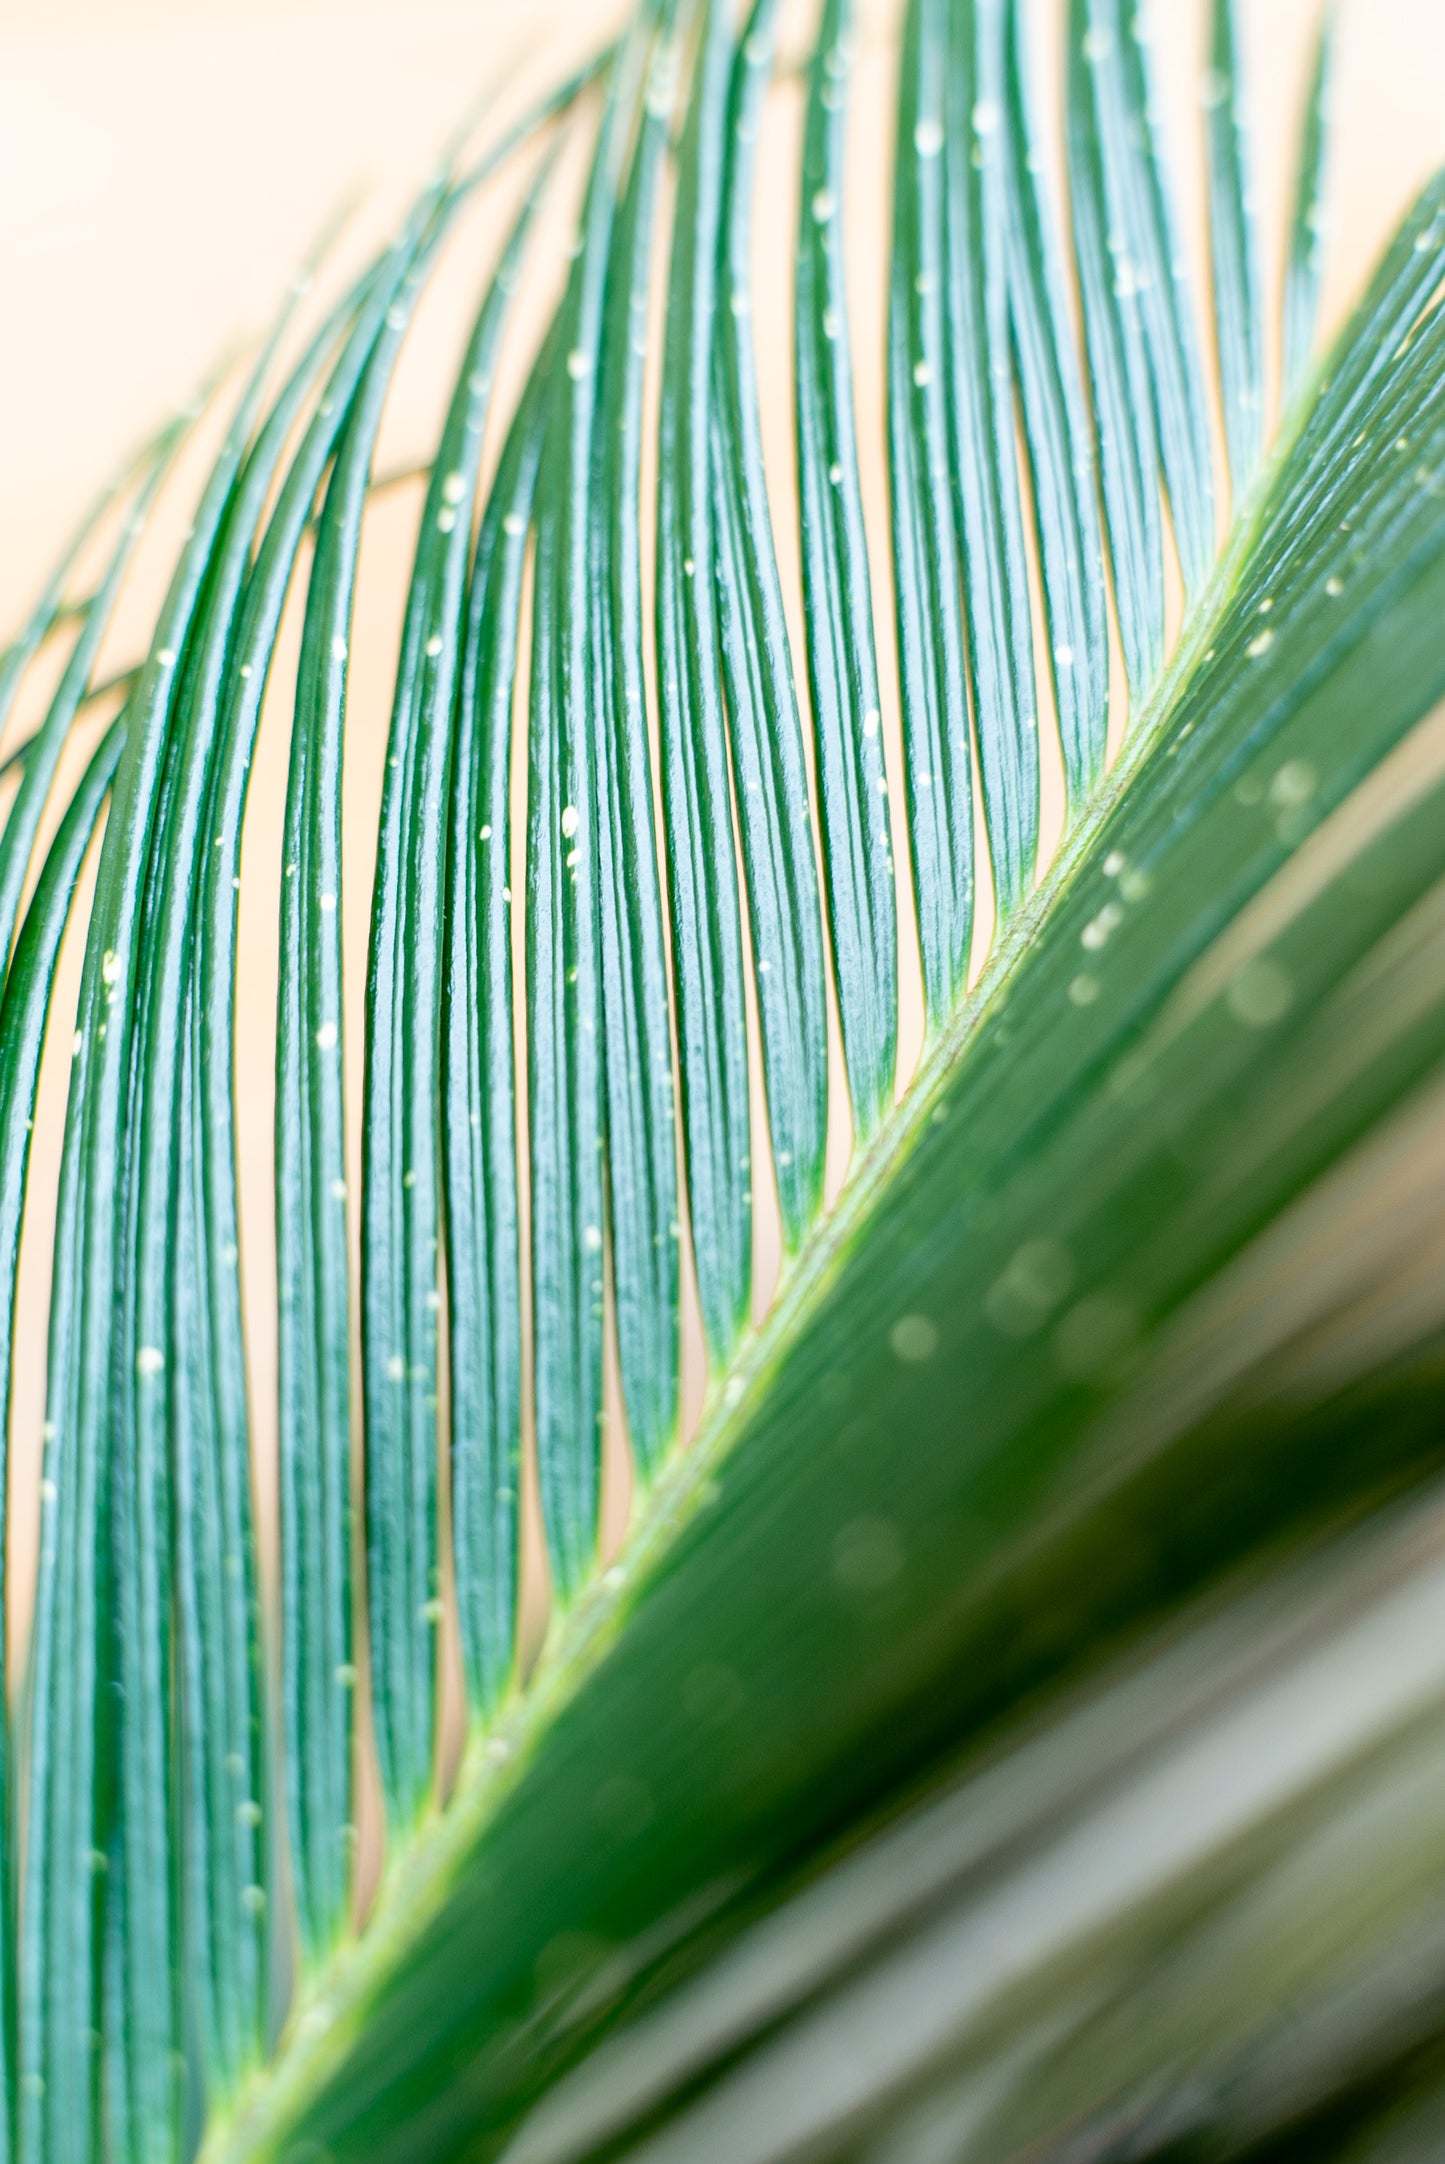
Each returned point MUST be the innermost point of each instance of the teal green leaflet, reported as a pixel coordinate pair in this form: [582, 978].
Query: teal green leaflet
[22, 1038]
[639, 1098]
[1305, 267]
[479, 1103]
[702, 884]
[1124, 429]
[938, 756]
[770, 782]
[564, 930]
[983, 458]
[854, 813]
[1062, 464]
[1233, 226]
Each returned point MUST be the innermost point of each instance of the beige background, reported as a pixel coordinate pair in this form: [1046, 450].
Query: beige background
[163, 164]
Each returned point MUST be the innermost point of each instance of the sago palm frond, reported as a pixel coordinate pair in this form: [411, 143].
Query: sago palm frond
[1012, 1725]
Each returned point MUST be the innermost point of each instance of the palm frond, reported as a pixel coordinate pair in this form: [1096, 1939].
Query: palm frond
[823, 1799]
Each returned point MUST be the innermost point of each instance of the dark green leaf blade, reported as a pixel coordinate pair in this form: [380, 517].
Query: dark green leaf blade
[1304, 269]
[312, 1261]
[565, 916]
[927, 569]
[770, 779]
[870, 1997]
[479, 1100]
[1150, 256]
[563, 1092]
[838, 604]
[1124, 430]
[23, 1017]
[1234, 240]
[642, 1197]
[1058, 438]
[707, 961]
[985, 456]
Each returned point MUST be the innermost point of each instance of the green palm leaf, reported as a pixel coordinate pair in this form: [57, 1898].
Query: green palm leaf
[1047, 1601]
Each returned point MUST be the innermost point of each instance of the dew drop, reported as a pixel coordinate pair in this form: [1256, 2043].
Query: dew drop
[1261, 994]
[1294, 784]
[1102, 929]
[913, 1339]
[1039, 1277]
